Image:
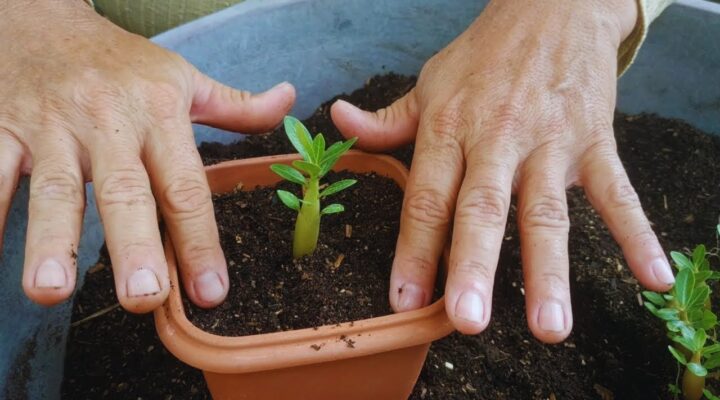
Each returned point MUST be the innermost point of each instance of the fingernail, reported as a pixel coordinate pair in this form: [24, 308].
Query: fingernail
[410, 297]
[662, 271]
[282, 85]
[209, 287]
[50, 274]
[470, 307]
[143, 282]
[551, 317]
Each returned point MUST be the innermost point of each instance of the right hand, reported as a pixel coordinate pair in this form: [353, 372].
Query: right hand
[84, 100]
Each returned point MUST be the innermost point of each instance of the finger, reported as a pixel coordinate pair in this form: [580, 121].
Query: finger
[427, 209]
[480, 217]
[544, 224]
[182, 190]
[609, 190]
[10, 157]
[224, 107]
[127, 208]
[388, 128]
[55, 212]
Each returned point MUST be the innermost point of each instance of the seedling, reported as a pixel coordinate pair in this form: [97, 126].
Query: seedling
[316, 162]
[690, 322]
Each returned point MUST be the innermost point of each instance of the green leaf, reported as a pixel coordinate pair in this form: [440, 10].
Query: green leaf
[713, 361]
[309, 168]
[698, 255]
[667, 314]
[289, 199]
[685, 342]
[700, 339]
[655, 298]
[674, 389]
[701, 276]
[696, 369]
[675, 326]
[334, 152]
[715, 276]
[704, 265]
[319, 145]
[707, 321]
[699, 295]
[709, 395]
[681, 261]
[332, 209]
[713, 348]
[299, 137]
[684, 284]
[289, 173]
[678, 356]
[337, 187]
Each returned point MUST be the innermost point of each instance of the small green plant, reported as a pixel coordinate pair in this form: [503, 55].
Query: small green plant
[315, 164]
[690, 322]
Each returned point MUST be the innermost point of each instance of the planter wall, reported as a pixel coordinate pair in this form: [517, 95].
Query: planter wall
[387, 354]
[335, 45]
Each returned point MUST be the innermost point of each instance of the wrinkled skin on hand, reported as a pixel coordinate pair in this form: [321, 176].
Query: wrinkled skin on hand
[84, 100]
[521, 102]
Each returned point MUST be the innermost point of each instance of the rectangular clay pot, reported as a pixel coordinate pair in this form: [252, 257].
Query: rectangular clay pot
[388, 352]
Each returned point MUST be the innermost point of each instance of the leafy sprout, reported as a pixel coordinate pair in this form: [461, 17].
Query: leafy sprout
[690, 322]
[317, 161]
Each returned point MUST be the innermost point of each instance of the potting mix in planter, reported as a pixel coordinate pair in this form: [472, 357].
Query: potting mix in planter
[618, 350]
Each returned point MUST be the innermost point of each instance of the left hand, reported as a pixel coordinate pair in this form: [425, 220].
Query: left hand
[523, 100]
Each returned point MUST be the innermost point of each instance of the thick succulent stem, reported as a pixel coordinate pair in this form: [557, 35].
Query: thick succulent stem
[307, 226]
[693, 385]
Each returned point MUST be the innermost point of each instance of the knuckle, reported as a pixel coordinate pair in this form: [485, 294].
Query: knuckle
[418, 262]
[602, 147]
[483, 205]
[57, 185]
[600, 129]
[622, 196]
[645, 238]
[553, 127]
[136, 246]
[124, 187]
[449, 123]
[198, 253]
[186, 195]
[507, 119]
[554, 281]
[428, 207]
[475, 269]
[99, 100]
[547, 212]
[165, 100]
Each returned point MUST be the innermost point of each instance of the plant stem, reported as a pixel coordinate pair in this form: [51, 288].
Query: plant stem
[693, 385]
[307, 226]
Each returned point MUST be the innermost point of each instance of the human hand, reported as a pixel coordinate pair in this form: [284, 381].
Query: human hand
[84, 100]
[522, 101]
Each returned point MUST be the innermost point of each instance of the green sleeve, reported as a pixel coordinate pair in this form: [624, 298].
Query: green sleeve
[150, 17]
[648, 10]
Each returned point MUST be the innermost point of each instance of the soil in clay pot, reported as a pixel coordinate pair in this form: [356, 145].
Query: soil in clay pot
[345, 279]
[617, 349]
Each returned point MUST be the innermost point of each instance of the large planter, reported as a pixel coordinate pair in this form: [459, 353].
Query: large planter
[384, 363]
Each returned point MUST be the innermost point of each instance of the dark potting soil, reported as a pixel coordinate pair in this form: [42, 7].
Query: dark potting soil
[617, 350]
[345, 279]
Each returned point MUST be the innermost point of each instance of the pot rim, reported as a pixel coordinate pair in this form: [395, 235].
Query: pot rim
[241, 354]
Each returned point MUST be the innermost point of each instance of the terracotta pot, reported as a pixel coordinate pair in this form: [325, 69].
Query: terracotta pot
[388, 354]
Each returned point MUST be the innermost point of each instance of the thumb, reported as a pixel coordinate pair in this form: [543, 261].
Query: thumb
[384, 129]
[226, 108]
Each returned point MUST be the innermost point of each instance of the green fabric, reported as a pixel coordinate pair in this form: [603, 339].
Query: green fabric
[150, 17]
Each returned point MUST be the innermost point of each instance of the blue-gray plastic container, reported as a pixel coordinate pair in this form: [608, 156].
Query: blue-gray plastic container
[325, 47]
